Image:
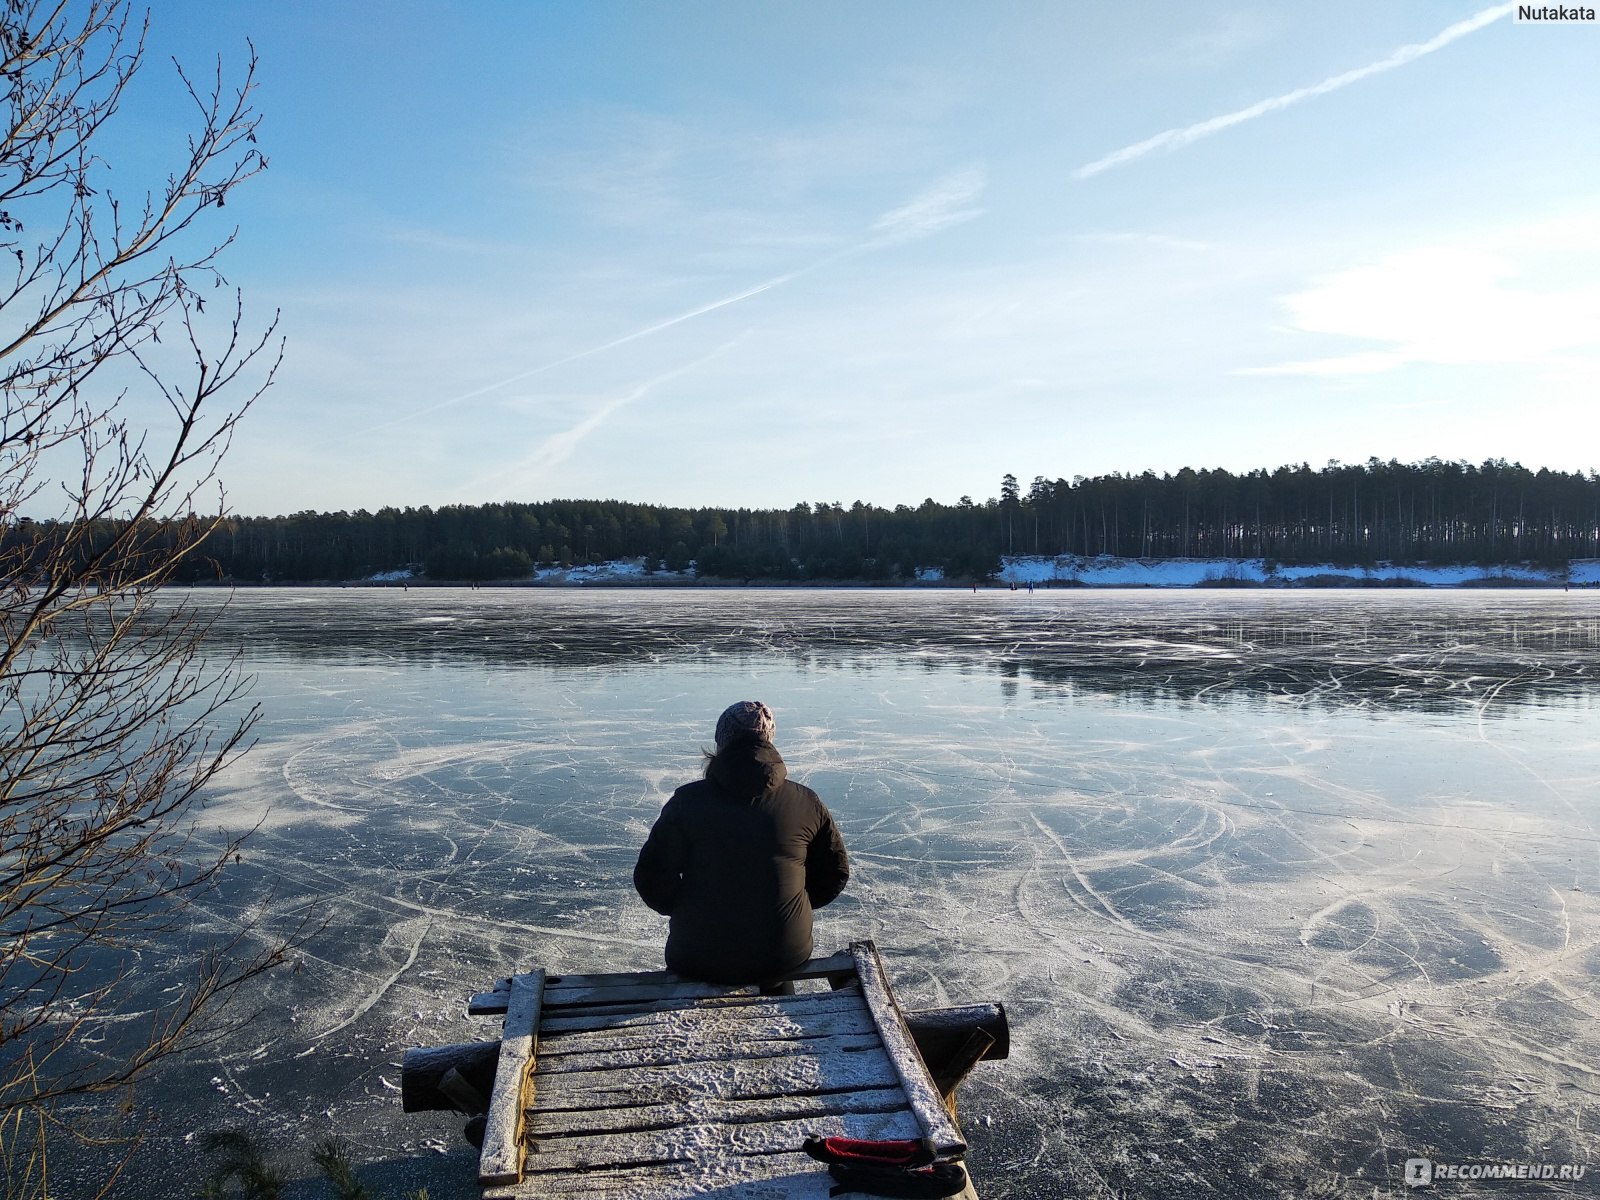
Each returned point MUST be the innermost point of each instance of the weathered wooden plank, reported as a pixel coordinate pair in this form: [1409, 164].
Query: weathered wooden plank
[669, 1116]
[502, 987]
[501, 1159]
[706, 1142]
[556, 986]
[688, 1055]
[752, 1022]
[920, 1090]
[707, 1003]
[690, 1039]
[816, 968]
[681, 989]
[764, 1177]
[799, 1009]
[751, 1078]
[791, 1176]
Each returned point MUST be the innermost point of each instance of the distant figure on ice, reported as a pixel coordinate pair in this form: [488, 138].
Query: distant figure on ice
[740, 859]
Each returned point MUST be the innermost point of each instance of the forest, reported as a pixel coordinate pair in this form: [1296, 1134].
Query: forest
[1349, 515]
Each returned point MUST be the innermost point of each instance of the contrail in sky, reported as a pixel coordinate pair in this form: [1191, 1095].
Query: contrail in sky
[557, 447]
[611, 345]
[949, 202]
[1172, 139]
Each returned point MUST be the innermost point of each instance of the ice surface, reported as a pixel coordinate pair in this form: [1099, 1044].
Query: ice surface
[1279, 888]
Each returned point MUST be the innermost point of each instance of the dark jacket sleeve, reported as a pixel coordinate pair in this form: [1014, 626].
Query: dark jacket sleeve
[827, 865]
[658, 875]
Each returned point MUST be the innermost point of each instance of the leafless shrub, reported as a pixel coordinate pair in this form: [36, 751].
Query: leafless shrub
[111, 719]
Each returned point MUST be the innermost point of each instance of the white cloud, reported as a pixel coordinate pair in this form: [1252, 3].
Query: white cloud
[949, 202]
[430, 239]
[1173, 139]
[1448, 304]
[1160, 241]
[1228, 34]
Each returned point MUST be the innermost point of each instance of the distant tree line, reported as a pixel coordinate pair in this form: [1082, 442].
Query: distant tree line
[1348, 515]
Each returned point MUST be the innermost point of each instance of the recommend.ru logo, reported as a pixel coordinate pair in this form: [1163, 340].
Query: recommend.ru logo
[1425, 1172]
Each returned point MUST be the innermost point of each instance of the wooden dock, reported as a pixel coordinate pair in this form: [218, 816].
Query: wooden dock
[645, 1085]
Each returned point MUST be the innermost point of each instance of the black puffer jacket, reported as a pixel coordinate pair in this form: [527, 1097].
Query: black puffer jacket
[739, 860]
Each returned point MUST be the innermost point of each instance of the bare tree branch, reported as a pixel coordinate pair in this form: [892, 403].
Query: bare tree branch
[112, 719]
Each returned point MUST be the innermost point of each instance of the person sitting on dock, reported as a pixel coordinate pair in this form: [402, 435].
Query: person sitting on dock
[740, 859]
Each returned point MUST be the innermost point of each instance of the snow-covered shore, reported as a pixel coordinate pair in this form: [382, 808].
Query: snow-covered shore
[1213, 572]
[1104, 571]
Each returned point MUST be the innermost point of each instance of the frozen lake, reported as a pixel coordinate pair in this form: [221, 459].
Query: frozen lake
[1279, 888]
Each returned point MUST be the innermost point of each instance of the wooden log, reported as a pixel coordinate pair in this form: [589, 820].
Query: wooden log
[468, 1098]
[941, 1032]
[423, 1069]
[949, 1078]
[503, 1148]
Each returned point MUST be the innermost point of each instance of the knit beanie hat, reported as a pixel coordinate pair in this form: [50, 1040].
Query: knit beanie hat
[742, 719]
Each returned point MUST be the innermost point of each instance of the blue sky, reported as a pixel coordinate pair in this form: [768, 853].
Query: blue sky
[755, 253]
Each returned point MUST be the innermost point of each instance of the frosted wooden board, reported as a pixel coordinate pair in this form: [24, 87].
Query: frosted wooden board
[706, 1141]
[791, 1176]
[563, 997]
[669, 1116]
[734, 1008]
[557, 1036]
[817, 968]
[750, 1078]
[690, 1055]
[771, 1177]
[501, 1158]
[559, 985]
[902, 1052]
